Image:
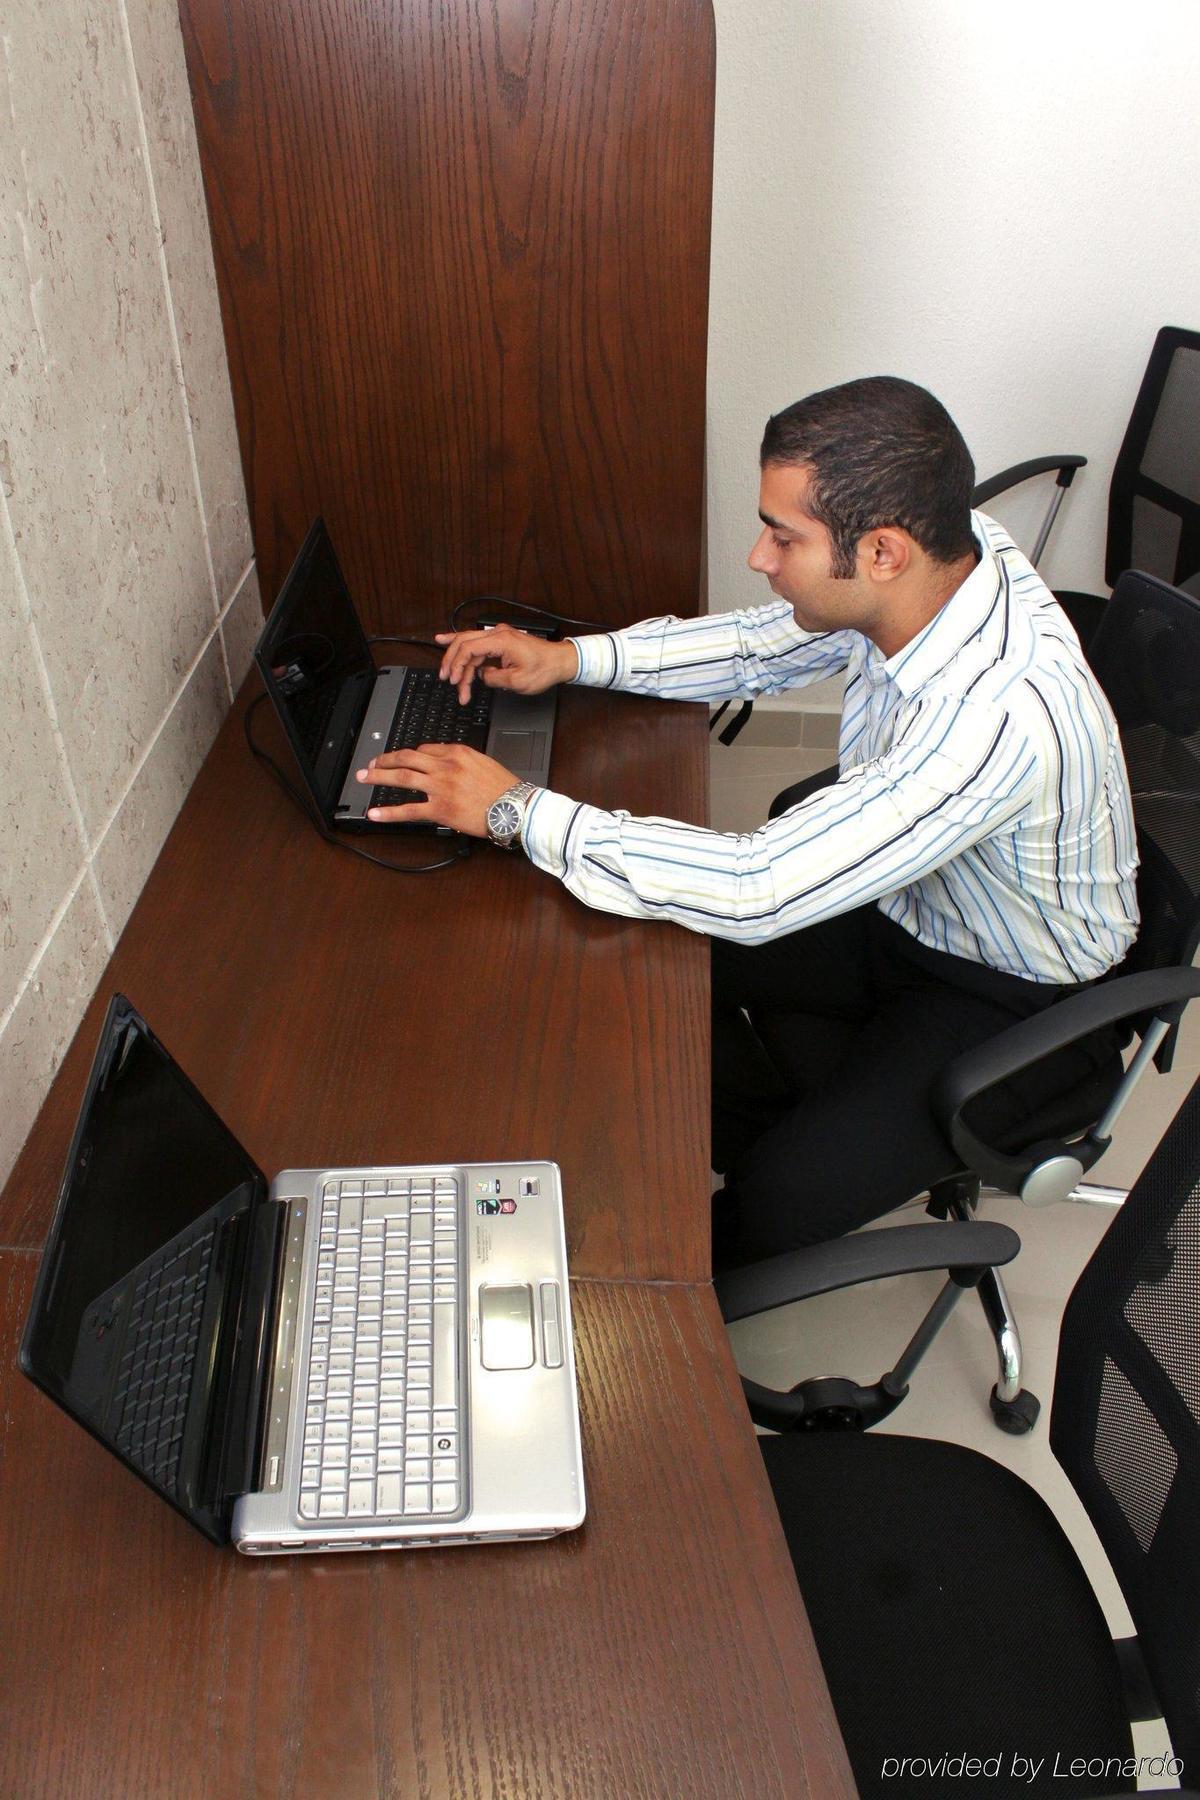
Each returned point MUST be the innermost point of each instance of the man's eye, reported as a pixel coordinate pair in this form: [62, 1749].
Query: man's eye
[781, 543]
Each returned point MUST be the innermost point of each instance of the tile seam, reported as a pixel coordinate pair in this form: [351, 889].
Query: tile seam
[173, 328]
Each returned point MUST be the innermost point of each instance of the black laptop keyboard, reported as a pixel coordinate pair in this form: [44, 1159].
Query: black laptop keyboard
[430, 713]
[155, 1373]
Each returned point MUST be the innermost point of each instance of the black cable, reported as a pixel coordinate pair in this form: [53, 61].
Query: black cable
[421, 643]
[540, 612]
[461, 850]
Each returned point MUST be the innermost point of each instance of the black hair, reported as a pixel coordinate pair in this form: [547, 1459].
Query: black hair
[882, 452]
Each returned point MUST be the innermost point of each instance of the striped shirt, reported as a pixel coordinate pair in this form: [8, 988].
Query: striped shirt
[982, 799]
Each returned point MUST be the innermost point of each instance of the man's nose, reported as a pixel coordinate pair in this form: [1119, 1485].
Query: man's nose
[760, 558]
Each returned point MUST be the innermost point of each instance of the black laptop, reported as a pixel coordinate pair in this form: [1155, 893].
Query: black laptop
[339, 710]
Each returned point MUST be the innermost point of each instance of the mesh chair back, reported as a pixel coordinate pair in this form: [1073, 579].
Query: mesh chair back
[1126, 1418]
[1146, 656]
[1154, 497]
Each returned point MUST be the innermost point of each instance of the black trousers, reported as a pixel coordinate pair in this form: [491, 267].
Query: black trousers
[870, 1016]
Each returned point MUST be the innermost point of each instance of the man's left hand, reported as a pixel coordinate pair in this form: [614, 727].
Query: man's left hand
[459, 785]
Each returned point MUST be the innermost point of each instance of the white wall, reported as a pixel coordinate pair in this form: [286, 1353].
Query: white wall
[128, 599]
[1000, 202]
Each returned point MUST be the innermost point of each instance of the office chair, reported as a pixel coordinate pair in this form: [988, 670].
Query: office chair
[1154, 495]
[1147, 657]
[950, 1611]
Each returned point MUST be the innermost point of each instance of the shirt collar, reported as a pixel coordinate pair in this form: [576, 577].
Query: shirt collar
[954, 625]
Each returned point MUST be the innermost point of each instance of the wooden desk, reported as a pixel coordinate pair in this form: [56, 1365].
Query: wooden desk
[330, 1011]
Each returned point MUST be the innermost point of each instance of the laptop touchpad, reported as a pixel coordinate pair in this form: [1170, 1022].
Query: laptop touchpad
[519, 751]
[506, 1327]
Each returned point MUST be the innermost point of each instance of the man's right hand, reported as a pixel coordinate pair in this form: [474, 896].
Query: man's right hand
[505, 658]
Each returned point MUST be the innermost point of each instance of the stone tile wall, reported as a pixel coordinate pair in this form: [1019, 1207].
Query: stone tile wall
[128, 598]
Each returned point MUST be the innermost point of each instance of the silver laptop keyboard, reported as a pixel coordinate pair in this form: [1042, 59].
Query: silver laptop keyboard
[382, 1431]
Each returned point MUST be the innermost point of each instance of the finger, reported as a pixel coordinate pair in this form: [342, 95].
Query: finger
[400, 778]
[400, 815]
[459, 653]
[482, 636]
[424, 760]
[463, 659]
[456, 662]
[460, 640]
[392, 768]
[488, 669]
[493, 672]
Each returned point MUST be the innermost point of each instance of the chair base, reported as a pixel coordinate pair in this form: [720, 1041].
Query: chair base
[832, 1403]
[1014, 1408]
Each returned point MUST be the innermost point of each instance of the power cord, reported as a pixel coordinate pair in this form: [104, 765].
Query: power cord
[539, 612]
[462, 848]
[421, 643]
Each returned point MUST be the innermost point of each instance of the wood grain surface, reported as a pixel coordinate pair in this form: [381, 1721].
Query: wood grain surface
[660, 1651]
[332, 1012]
[462, 250]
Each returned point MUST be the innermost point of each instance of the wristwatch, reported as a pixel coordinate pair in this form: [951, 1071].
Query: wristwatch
[506, 815]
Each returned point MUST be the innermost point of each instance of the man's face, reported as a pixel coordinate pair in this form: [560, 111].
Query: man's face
[794, 552]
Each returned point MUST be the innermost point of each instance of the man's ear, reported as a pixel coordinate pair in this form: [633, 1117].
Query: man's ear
[885, 553]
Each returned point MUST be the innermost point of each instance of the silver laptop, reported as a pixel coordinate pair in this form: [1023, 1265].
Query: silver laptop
[348, 1359]
[338, 710]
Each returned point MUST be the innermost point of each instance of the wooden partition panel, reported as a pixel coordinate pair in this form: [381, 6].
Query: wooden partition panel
[462, 249]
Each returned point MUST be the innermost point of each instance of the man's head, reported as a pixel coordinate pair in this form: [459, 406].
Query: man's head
[867, 484]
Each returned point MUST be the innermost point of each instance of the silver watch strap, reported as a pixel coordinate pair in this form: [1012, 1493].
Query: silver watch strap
[522, 793]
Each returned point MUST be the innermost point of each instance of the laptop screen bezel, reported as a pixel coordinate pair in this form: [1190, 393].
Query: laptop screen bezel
[275, 629]
[121, 1015]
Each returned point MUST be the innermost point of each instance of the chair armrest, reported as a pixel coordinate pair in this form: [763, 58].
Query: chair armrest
[1025, 471]
[1164, 992]
[964, 1247]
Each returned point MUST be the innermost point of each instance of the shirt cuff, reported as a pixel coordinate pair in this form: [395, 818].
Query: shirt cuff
[600, 660]
[552, 826]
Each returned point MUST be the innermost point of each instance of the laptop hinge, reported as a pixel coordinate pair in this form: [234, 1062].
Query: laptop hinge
[240, 1287]
[253, 1351]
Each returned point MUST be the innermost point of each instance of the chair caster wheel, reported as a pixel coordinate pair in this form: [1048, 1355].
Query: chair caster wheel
[1015, 1416]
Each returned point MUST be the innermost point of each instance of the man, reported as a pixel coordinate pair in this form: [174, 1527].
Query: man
[973, 862]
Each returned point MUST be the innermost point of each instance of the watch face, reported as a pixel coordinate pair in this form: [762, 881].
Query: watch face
[504, 819]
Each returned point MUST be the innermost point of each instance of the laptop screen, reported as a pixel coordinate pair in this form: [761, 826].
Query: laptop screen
[316, 663]
[128, 1301]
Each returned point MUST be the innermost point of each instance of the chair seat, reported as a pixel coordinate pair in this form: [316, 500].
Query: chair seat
[951, 1615]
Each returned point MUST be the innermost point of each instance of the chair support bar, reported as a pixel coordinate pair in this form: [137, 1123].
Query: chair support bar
[1155, 1033]
[947, 1299]
[1056, 500]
